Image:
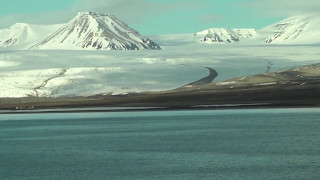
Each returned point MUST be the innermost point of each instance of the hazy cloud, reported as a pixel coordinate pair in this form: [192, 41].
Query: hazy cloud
[55, 17]
[137, 11]
[210, 18]
[282, 7]
[129, 11]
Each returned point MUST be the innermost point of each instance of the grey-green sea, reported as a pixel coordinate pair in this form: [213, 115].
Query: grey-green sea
[207, 144]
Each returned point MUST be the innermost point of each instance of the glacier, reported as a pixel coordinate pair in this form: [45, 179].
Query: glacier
[61, 73]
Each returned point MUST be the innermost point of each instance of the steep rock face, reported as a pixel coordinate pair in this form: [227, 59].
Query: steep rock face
[298, 29]
[16, 34]
[92, 31]
[223, 35]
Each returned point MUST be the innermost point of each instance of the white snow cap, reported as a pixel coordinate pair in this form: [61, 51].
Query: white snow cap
[93, 31]
[224, 35]
[304, 29]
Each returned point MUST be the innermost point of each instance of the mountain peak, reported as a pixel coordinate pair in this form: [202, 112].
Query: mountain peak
[92, 31]
[13, 35]
[20, 25]
[225, 35]
[84, 13]
[296, 29]
[92, 14]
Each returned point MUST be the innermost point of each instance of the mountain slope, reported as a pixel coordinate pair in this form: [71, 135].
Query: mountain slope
[92, 31]
[16, 34]
[22, 33]
[223, 35]
[299, 29]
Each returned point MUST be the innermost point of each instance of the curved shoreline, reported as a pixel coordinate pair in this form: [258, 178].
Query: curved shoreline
[213, 74]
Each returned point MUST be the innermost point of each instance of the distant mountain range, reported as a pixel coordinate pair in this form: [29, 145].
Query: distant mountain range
[304, 29]
[223, 35]
[93, 31]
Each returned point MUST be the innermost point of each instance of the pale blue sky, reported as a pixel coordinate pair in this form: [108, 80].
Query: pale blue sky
[159, 16]
[206, 14]
[11, 7]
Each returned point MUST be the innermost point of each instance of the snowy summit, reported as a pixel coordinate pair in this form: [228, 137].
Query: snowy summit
[94, 31]
[303, 29]
[17, 33]
[223, 35]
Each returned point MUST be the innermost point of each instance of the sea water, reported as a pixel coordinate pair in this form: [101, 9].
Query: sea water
[222, 144]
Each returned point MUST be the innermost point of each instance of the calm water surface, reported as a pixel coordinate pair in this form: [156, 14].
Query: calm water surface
[226, 144]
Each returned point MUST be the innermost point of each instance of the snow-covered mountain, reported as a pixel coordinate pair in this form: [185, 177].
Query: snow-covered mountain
[16, 34]
[92, 31]
[303, 29]
[22, 33]
[223, 35]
